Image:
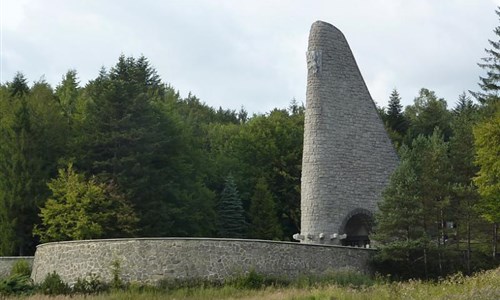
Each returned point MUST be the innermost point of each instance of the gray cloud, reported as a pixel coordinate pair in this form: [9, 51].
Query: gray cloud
[251, 53]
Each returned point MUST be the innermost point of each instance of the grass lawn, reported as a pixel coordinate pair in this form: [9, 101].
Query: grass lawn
[485, 285]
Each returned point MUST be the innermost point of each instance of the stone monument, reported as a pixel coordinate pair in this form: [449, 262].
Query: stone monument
[348, 156]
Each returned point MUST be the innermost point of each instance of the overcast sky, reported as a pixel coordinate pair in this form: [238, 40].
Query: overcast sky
[251, 53]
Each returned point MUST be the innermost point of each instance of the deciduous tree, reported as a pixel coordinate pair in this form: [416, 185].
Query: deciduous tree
[84, 209]
[427, 112]
[487, 141]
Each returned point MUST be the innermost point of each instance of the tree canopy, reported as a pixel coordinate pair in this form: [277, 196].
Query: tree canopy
[79, 209]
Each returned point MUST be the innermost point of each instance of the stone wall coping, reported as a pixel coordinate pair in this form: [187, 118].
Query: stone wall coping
[201, 239]
[16, 257]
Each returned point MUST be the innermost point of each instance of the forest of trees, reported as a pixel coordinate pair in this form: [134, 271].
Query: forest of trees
[441, 210]
[126, 155]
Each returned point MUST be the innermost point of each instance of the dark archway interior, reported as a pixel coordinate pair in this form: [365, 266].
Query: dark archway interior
[357, 230]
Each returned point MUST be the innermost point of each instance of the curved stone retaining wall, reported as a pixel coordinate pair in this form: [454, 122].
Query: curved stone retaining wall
[6, 263]
[151, 259]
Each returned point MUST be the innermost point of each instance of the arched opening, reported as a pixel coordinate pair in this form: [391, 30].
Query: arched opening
[358, 228]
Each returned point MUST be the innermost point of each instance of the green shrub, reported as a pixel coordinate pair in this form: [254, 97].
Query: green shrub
[339, 278]
[21, 267]
[254, 280]
[53, 285]
[167, 284]
[92, 284]
[250, 281]
[353, 279]
[16, 284]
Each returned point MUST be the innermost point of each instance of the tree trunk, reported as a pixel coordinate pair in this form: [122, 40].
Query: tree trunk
[441, 244]
[468, 245]
[425, 264]
[495, 239]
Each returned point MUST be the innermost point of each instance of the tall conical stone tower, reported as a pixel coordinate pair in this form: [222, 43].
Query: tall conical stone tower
[348, 156]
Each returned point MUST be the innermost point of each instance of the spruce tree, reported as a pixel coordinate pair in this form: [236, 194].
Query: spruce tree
[265, 224]
[395, 117]
[230, 214]
[415, 207]
[67, 93]
[400, 232]
[18, 165]
[133, 136]
[127, 141]
[32, 139]
[490, 84]
[19, 85]
[465, 107]
[464, 193]
[394, 120]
